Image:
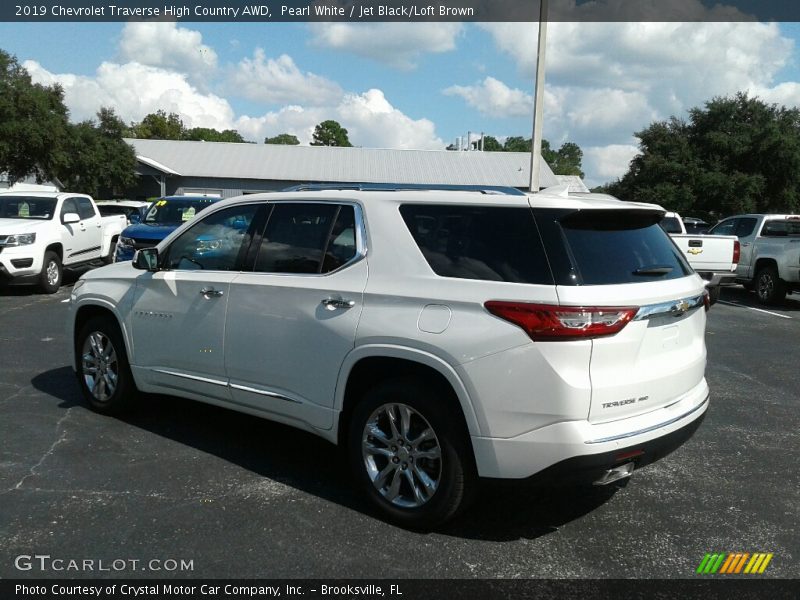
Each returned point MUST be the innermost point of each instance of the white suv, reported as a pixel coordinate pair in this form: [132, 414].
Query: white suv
[438, 336]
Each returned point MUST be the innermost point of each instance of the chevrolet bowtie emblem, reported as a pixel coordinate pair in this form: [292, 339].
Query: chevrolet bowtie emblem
[695, 251]
[680, 308]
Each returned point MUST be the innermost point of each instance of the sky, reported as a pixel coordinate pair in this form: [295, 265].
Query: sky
[413, 85]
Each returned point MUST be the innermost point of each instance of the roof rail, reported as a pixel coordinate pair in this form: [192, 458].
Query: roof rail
[396, 187]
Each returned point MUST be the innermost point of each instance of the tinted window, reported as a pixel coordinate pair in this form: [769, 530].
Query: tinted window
[601, 247]
[85, 209]
[727, 227]
[214, 243]
[781, 228]
[480, 242]
[69, 206]
[307, 238]
[671, 225]
[745, 226]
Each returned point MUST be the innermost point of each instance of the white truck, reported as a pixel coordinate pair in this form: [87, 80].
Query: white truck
[42, 232]
[770, 260]
[715, 258]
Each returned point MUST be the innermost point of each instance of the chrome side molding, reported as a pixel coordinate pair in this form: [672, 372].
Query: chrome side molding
[672, 308]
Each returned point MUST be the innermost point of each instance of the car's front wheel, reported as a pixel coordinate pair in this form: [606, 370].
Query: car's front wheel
[103, 369]
[52, 272]
[410, 457]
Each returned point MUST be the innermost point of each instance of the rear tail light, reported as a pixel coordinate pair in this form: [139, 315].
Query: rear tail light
[737, 250]
[553, 322]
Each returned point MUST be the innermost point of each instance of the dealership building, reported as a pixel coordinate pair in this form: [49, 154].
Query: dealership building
[169, 167]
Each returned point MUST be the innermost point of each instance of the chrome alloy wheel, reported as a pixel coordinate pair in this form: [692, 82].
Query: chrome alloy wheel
[402, 455]
[52, 272]
[99, 366]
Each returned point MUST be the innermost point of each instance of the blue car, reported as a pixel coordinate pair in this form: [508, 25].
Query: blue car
[162, 217]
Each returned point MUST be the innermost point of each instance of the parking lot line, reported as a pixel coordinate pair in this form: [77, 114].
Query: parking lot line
[769, 312]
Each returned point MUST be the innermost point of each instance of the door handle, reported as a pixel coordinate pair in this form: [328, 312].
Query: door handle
[209, 293]
[334, 303]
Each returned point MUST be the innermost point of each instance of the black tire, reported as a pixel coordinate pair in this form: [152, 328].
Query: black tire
[112, 248]
[114, 369]
[454, 468]
[770, 288]
[52, 273]
[713, 293]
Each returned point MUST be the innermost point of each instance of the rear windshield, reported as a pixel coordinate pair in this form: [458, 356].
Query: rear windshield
[601, 247]
[479, 242]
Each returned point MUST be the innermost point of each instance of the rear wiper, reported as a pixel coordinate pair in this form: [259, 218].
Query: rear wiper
[653, 270]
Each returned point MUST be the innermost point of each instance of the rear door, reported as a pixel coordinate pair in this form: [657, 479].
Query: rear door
[622, 258]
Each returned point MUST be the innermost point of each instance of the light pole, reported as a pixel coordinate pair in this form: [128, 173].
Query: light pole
[538, 100]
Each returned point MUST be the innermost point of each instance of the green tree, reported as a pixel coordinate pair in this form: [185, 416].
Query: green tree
[330, 133]
[517, 143]
[33, 123]
[283, 139]
[207, 134]
[158, 126]
[736, 154]
[490, 144]
[99, 160]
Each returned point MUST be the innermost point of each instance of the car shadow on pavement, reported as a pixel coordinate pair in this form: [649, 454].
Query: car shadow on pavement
[500, 512]
[736, 294]
[69, 277]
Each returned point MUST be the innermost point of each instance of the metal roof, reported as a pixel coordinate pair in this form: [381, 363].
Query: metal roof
[335, 164]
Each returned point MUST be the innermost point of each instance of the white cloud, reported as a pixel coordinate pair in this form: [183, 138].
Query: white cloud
[607, 163]
[279, 80]
[163, 44]
[494, 98]
[135, 90]
[399, 45]
[370, 119]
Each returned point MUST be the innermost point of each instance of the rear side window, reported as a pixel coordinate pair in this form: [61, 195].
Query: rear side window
[307, 238]
[602, 247]
[85, 209]
[479, 242]
[745, 226]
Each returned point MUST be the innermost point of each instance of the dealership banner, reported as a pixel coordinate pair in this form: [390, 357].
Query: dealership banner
[266, 11]
[398, 589]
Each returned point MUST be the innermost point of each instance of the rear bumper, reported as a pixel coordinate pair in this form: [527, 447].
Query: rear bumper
[715, 279]
[579, 450]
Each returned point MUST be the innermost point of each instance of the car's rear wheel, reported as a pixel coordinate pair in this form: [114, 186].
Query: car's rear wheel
[411, 458]
[52, 272]
[769, 286]
[103, 369]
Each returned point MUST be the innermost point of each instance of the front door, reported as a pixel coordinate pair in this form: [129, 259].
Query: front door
[178, 313]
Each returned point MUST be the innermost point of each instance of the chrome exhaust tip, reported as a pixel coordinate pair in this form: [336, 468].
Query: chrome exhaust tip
[615, 474]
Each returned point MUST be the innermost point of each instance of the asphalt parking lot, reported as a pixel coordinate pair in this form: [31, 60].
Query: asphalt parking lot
[244, 498]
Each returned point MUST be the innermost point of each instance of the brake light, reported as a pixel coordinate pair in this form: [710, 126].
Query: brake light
[553, 322]
[737, 249]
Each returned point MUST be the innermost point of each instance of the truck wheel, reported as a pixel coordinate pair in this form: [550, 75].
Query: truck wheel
[103, 369]
[713, 293]
[50, 277]
[112, 248]
[409, 456]
[769, 286]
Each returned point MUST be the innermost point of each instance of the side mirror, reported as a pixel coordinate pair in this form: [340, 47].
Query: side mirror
[70, 218]
[146, 259]
[135, 218]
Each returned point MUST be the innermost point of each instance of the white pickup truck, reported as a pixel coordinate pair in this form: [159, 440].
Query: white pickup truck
[770, 261]
[715, 258]
[42, 232]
